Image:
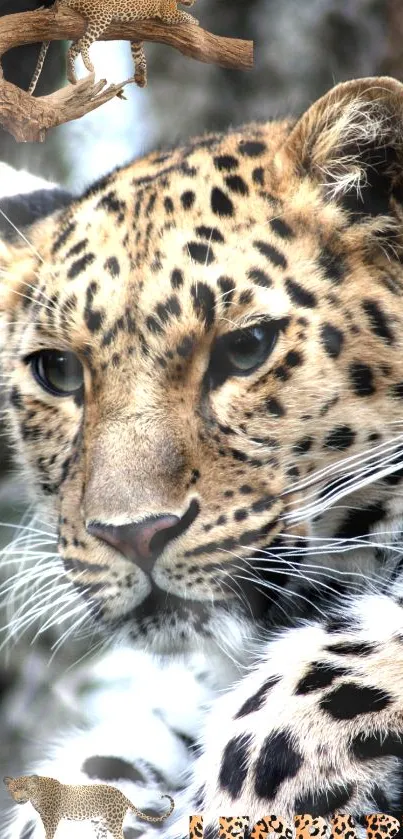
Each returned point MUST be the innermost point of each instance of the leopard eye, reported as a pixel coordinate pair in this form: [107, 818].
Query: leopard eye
[247, 349]
[59, 373]
[240, 353]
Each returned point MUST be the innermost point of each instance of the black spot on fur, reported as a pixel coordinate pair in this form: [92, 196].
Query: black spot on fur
[92, 317]
[278, 761]
[63, 236]
[252, 148]
[176, 278]
[112, 204]
[77, 248]
[212, 234]
[259, 277]
[361, 376]
[349, 700]
[187, 199]
[221, 204]
[255, 702]
[16, 399]
[226, 163]
[300, 296]
[246, 297]
[200, 252]
[377, 744]
[303, 446]
[321, 674]
[332, 265]
[170, 309]
[112, 265]
[378, 320]
[80, 265]
[258, 176]
[275, 407]
[332, 339]
[351, 648]
[271, 253]
[185, 347]
[281, 228]
[294, 358]
[227, 288]
[237, 185]
[325, 802]
[234, 765]
[340, 438]
[153, 325]
[203, 299]
[168, 205]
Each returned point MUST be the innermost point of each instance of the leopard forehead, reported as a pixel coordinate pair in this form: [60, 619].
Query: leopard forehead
[170, 247]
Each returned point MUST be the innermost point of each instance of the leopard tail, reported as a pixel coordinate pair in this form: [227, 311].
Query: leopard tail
[39, 65]
[154, 818]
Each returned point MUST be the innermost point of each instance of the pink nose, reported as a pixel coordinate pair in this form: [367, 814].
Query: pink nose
[142, 542]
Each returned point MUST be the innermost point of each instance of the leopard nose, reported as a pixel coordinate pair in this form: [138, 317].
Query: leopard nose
[141, 542]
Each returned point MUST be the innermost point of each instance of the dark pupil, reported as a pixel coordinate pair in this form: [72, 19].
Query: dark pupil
[61, 370]
[247, 349]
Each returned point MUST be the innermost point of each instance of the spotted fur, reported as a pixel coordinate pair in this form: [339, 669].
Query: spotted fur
[101, 803]
[204, 500]
[100, 14]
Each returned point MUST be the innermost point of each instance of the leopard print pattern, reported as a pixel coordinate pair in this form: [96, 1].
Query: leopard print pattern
[100, 14]
[379, 824]
[221, 325]
[55, 801]
[304, 827]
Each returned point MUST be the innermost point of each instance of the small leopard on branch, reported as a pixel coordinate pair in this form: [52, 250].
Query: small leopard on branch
[100, 14]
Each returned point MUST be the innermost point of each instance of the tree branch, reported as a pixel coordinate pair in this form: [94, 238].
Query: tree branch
[28, 118]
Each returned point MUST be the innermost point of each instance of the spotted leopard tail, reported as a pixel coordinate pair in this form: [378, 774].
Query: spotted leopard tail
[154, 818]
[39, 66]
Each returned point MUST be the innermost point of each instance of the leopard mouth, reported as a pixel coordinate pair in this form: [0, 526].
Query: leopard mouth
[183, 617]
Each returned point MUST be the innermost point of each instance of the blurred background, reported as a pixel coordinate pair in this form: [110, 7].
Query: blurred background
[301, 49]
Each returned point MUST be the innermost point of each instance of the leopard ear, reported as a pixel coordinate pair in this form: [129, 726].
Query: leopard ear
[350, 142]
[7, 780]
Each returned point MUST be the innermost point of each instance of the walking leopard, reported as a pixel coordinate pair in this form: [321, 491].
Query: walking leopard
[203, 367]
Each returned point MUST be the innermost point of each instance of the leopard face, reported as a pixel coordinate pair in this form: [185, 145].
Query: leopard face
[203, 355]
[21, 789]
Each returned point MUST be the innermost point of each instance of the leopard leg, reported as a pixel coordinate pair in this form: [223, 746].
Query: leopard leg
[101, 831]
[93, 32]
[316, 727]
[171, 14]
[72, 54]
[115, 824]
[50, 824]
[140, 63]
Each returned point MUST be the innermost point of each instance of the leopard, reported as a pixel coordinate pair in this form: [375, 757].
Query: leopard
[203, 375]
[99, 14]
[103, 804]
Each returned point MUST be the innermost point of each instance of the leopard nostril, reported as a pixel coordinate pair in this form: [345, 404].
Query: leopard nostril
[138, 542]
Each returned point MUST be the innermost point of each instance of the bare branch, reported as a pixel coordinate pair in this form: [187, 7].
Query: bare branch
[29, 118]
